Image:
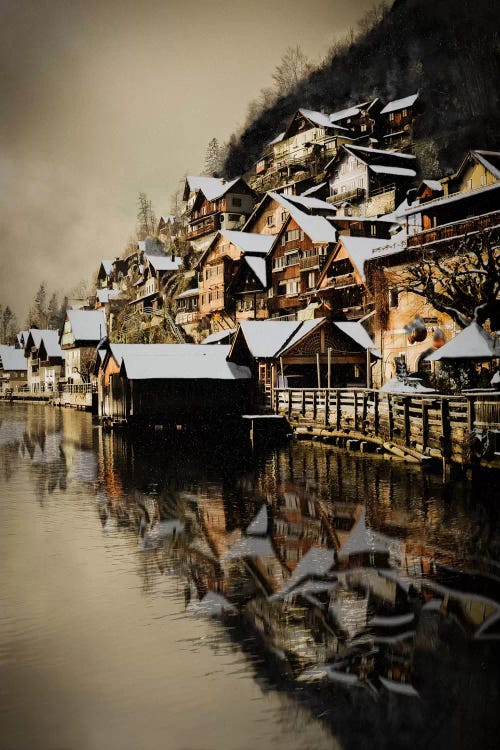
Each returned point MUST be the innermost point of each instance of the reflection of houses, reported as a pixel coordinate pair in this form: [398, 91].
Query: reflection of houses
[214, 204]
[371, 181]
[181, 384]
[13, 368]
[82, 331]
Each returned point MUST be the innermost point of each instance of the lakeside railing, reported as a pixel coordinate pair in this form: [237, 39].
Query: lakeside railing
[432, 424]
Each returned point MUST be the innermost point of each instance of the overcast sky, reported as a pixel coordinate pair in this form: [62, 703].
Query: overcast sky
[102, 99]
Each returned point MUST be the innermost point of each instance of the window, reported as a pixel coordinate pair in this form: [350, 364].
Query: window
[236, 202]
[311, 280]
[292, 287]
[283, 215]
[292, 258]
[278, 263]
[373, 230]
[270, 220]
[468, 184]
[404, 113]
[391, 116]
[483, 180]
[393, 297]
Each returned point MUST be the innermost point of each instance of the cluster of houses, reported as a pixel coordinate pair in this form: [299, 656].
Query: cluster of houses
[291, 266]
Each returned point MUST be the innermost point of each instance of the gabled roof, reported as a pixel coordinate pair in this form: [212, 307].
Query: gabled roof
[452, 198]
[317, 118]
[50, 342]
[310, 202]
[394, 106]
[345, 114]
[490, 160]
[163, 262]
[183, 362]
[249, 242]
[188, 293]
[363, 249]
[107, 266]
[12, 358]
[35, 336]
[395, 171]
[317, 228]
[357, 333]
[104, 295]
[277, 139]
[258, 266]
[267, 339]
[219, 337]
[211, 187]
[367, 155]
[471, 343]
[87, 325]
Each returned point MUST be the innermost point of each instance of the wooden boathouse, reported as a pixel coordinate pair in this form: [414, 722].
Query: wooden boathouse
[171, 384]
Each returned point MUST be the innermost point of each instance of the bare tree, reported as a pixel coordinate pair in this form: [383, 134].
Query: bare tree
[293, 67]
[373, 16]
[146, 219]
[213, 158]
[463, 282]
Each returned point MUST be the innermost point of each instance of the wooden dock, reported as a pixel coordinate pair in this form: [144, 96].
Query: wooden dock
[462, 429]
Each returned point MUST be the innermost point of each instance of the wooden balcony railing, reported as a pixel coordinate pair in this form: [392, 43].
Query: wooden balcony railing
[456, 229]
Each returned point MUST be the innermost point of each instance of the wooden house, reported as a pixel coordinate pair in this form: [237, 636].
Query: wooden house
[372, 181]
[342, 285]
[13, 368]
[303, 244]
[229, 252]
[42, 373]
[187, 312]
[396, 121]
[295, 353]
[214, 204]
[156, 271]
[295, 157]
[82, 331]
[182, 384]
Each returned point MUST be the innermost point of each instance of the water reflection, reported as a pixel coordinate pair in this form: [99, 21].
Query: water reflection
[367, 590]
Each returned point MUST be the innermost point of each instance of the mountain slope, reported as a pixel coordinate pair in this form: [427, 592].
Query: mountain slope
[448, 50]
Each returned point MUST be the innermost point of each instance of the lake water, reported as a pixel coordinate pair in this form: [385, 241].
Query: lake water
[202, 595]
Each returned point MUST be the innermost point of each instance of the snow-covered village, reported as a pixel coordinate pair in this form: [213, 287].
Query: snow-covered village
[250, 463]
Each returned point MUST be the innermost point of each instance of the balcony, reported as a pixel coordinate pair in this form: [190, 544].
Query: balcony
[310, 263]
[456, 229]
[187, 317]
[340, 282]
[357, 194]
[210, 224]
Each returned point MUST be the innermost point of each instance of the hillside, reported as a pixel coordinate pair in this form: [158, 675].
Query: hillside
[447, 50]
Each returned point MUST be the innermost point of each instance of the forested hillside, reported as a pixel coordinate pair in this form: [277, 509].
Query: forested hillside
[448, 50]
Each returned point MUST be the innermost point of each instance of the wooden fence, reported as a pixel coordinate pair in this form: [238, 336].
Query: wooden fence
[430, 424]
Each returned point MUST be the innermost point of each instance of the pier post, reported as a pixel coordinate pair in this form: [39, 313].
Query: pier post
[327, 407]
[406, 407]
[338, 409]
[376, 411]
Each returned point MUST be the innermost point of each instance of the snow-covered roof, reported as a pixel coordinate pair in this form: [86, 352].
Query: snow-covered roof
[104, 295]
[361, 151]
[357, 333]
[343, 114]
[433, 185]
[163, 262]
[108, 266]
[36, 335]
[313, 189]
[118, 350]
[211, 187]
[317, 228]
[396, 171]
[50, 341]
[471, 343]
[259, 267]
[219, 336]
[487, 158]
[308, 202]
[269, 338]
[250, 242]
[318, 118]
[363, 249]
[188, 293]
[362, 539]
[183, 362]
[405, 103]
[12, 358]
[87, 325]
[278, 138]
[451, 199]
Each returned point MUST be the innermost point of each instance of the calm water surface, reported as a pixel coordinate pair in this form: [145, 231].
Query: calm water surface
[196, 596]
